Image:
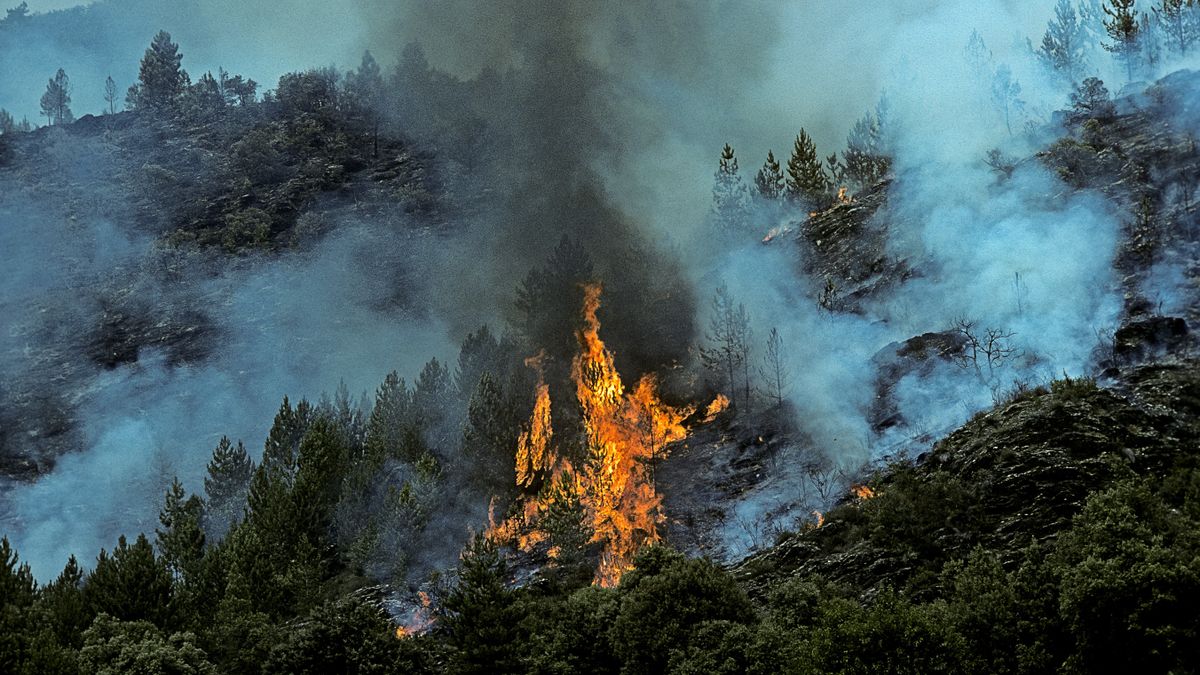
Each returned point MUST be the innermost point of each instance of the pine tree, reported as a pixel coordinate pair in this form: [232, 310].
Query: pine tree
[977, 54]
[391, 417]
[807, 180]
[769, 180]
[226, 486]
[728, 352]
[730, 206]
[1123, 28]
[61, 601]
[110, 95]
[1006, 92]
[478, 613]
[1180, 23]
[366, 94]
[279, 451]
[7, 124]
[56, 102]
[161, 80]
[131, 584]
[480, 353]
[490, 433]
[866, 159]
[181, 541]
[1062, 49]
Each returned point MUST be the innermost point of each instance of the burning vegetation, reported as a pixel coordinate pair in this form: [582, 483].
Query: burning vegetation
[625, 431]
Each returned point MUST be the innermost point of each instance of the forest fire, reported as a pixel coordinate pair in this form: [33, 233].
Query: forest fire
[420, 621]
[625, 431]
[862, 492]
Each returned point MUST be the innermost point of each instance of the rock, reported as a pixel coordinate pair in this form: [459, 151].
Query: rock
[1147, 337]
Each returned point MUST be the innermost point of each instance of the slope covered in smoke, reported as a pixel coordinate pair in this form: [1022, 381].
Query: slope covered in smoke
[665, 354]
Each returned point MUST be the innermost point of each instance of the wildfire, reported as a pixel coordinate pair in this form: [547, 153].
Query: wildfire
[843, 197]
[625, 429]
[718, 406]
[420, 621]
[820, 518]
[533, 445]
[863, 492]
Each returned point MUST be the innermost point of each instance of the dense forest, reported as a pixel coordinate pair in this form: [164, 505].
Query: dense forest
[905, 455]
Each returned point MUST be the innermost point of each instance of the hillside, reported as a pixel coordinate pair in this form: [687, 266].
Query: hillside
[480, 358]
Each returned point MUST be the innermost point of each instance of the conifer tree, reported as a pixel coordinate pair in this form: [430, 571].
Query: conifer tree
[769, 180]
[226, 486]
[807, 180]
[390, 418]
[1062, 49]
[866, 159]
[61, 602]
[181, 539]
[161, 79]
[56, 102]
[730, 205]
[110, 95]
[7, 124]
[1180, 23]
[131, 584]
[1123, 28]
[366, 94]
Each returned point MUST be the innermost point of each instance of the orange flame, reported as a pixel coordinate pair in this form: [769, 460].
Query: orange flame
[533, 445]
[820, 518]
[843, 197]
[718, 406]
[420, 621]
[625, 431]
[863, 492]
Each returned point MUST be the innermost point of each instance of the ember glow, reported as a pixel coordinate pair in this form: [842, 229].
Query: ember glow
[862, 492]
[626, 431]
[420, 621]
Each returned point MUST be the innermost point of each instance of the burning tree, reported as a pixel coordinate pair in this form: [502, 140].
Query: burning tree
[624, 431]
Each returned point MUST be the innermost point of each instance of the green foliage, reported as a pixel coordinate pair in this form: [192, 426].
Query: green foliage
[478, 614]
[1130, 570]
[347, 637]
[664, 600]
[889, 635]
[114, 647]
[161, 80]
[226, 487]
[807, 180]
[132, 584]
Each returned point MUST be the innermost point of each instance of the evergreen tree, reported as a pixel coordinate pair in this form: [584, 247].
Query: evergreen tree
[62, 606]
[1090, 100]
[390, 420]
[1062, 50]
[480, 353]
[226, 486]
[1006, 92]
[18, 13]
[977, 54]
[131, 584]
[366, 92]
[1180, 23]
[7, 124]
[1123, 28]
[181, 541]
[235, 89]
[867, 159]
[490, 434]
[807, 180]
[730, 205]
[478, 614]
[110, 95]
[56, 102]
[279, 452]
[161, 79]
[728, 352]
[769, 180]
[205, 96]
[433, 400]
